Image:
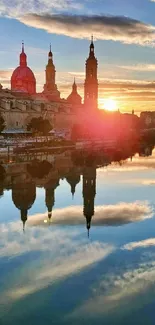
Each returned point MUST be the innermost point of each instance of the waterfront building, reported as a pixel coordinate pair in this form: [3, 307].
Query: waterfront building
[21, 103]
[23, 79]
[91, 81]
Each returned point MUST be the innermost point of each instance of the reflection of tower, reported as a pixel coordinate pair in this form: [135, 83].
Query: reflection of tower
[23, 196]
[73, 178]
[50, 195]
[89, 192]
[91, 82]
[50, 87]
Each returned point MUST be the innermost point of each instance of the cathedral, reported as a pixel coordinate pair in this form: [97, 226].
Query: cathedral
[21, 103]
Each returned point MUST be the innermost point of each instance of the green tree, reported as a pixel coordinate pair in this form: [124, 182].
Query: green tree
[2, 123]
[39, 125]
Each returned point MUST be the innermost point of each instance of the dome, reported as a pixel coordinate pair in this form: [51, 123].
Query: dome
[23, 78]
[24, 195]
[74, 97]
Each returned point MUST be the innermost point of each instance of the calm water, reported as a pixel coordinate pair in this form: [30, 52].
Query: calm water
[87, 252]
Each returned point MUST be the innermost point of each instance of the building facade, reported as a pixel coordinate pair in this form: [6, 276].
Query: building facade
[22, 103]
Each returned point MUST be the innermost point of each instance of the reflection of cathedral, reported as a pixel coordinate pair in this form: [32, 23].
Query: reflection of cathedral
[73, 178]
[89, 192]
[23, 196]
[50, 195]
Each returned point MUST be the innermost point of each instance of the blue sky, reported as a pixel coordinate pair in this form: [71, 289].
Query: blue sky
[124, 33]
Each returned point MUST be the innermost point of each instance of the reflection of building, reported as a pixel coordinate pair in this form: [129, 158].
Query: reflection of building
[23, 196]
[50, 195]
[73, 178]
[146, 151]
[89, 192]
[91, 82]
[23, 79]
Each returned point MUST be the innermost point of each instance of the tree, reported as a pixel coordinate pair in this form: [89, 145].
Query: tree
[39, 125]
[2, 124]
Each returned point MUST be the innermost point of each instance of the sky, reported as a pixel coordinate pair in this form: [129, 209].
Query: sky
[124, 33]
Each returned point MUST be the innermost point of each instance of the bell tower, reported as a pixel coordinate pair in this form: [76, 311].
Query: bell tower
[50, 87]
[91, 81]
[89, 192]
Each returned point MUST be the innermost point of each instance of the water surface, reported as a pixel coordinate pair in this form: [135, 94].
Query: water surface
[77, 241]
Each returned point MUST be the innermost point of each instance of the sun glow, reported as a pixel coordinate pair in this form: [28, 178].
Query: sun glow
[110, 105]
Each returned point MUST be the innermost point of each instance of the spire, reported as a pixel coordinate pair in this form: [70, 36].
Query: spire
[50, 55]
[91, 53]
[49, 215]
[24, 218]
[74, 86]
[22, 46]
[23, 57]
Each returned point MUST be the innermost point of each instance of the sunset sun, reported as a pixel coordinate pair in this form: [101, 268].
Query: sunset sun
[110, 105]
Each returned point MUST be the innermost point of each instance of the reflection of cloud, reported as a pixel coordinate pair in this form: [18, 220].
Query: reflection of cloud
[143, 243]
[116, 292]
[110, 215]
[62, 266]
[117, 28]
[61, 254]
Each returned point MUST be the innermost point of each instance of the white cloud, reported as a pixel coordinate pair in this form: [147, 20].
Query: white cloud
[17, 8]
[109, 215]
[61, 254]
[104, 27]
[116, 292]
[140, 244]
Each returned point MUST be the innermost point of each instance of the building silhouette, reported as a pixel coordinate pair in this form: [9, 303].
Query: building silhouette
[50, 195]
[91, 81]
[23, 197]
[23, 79]
[73, 178]
[74, 98]
[89, 192]
[50, 87]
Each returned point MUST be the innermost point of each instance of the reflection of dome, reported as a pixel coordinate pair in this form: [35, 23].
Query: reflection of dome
[23, 78]
[74, 97]
[23, 197]
[73, 178]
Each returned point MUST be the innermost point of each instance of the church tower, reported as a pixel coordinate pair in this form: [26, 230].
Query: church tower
[50, 87]
[50, 195]
[89, 192]
[91, 81]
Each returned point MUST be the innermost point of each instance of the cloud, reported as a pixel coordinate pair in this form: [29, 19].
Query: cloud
[116, 28]
[109, 215]
[140, 244]
[138, 67]
[16, 8]
[117, 293]
[61, 254]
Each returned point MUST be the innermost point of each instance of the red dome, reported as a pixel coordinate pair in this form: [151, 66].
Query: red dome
[23, 79]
